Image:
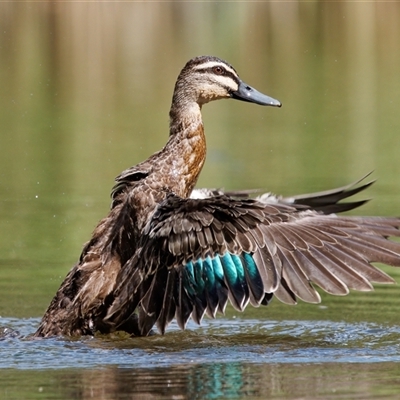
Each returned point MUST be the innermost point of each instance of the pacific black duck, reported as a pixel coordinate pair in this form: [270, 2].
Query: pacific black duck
[167, 251]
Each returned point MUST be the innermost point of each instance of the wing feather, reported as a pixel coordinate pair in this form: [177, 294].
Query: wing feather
[199, 253]
[297, 281]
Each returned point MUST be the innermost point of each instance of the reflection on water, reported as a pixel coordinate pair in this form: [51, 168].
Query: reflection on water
[227, 381]
[231, 381]
[222, 359]
[326, 381]
[85, 93]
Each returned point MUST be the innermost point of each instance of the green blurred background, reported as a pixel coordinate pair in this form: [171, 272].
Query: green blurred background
[85, 91]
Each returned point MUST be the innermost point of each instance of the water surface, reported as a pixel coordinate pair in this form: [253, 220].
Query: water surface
[229, 358]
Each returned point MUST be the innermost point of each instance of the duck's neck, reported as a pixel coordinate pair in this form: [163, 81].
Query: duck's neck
[186, 147]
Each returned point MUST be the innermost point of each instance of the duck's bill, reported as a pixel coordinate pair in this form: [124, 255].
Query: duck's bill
[247, 93]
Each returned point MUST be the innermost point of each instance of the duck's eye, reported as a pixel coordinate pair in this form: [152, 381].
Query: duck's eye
[218, 70]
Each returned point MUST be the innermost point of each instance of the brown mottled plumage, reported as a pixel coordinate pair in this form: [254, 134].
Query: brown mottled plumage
[167, 251]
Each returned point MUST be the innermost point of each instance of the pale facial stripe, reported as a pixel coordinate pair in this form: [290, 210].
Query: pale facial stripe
[226, 81]
[212, 64]
[230, 80]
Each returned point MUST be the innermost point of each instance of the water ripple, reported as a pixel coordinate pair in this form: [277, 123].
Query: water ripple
[237, 340]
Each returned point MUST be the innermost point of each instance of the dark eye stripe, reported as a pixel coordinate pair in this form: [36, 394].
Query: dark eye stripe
[226, 73]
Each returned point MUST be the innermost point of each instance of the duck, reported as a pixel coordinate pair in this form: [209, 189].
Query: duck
[169, 251]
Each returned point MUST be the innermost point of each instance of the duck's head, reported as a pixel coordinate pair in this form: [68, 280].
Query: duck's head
[208, 78]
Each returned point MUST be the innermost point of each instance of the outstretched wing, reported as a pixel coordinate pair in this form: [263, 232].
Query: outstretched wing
[197, 254]
[326, 202]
